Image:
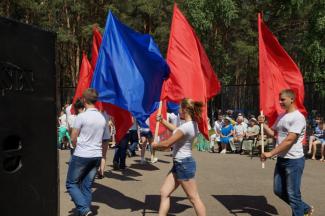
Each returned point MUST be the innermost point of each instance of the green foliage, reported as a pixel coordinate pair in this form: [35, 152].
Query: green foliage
[227, 29]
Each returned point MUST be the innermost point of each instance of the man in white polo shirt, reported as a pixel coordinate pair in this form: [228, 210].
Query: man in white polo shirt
[89, 137]
[289, 130]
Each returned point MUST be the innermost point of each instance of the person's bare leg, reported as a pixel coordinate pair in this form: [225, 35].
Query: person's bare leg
[315, 149]
[168, 187]
[311, 139]
[143, 148]
[322, 152]
[153, 158]
[223, 147]
[192, 193]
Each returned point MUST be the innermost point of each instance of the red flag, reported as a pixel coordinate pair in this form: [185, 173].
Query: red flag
[191, 74]
[85, 76]
[122, 119]
[97, 41]
[277, 71]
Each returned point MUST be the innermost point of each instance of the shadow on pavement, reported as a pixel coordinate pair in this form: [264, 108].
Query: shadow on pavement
[124, 176]
[146, 166]
[164, 161]
[152, 202]
[115, 199]
[252, 205]
[118, 200]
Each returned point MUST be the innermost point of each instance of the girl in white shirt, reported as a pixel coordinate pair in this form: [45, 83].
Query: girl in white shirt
[184, 165]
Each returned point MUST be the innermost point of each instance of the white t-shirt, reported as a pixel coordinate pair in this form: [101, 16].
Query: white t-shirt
[173, 119]
[183, 148]
[293, 122]
[63, 121]
[71, 119]
[240, 129]
[217, 126]
[93, 130]
[68, 113]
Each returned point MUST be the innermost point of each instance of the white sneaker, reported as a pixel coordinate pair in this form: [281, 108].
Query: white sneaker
[89, 214]
[154, 160]
[223, 151]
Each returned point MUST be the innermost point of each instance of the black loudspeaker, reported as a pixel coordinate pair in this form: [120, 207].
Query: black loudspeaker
[28, 154]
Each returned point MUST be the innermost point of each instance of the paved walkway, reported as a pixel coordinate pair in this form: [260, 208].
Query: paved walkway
[228, 185]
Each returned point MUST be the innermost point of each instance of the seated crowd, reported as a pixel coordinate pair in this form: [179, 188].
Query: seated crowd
[232, 133]
[236, 133]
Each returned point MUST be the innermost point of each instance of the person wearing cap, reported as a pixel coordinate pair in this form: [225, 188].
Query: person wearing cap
[89, 137]
[239, 132]
[289, 128]
[252, 132]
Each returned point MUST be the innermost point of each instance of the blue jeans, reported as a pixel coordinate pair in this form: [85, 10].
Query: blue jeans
[120, 151]
[81, 175]
[287, 181]
[134, 140]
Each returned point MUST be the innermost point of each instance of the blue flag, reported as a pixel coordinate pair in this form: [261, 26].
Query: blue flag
[130, 70]
[172, 107]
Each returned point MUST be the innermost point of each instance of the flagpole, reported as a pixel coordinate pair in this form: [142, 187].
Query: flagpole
[262, 139]
[156, 131]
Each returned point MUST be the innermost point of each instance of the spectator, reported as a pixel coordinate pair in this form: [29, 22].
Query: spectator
[215, 138]
[252, 132]
[316, 132]
[63, 131]
[227, 132]
[239, 132]
[322, 140]
[317, 139]
[268, 140]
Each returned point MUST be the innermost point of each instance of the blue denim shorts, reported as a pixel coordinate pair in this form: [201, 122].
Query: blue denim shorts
[184, 169]
[146, 134]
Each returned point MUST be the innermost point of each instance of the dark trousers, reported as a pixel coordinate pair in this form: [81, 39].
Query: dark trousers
[120, 151]
[134, 140]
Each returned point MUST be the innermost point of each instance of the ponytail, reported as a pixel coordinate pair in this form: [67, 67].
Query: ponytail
[194, 108]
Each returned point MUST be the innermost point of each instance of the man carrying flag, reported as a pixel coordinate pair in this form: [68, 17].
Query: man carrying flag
[290, 129]
[281, 79]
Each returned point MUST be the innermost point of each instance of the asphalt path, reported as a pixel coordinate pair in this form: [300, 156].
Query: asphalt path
[229, 184]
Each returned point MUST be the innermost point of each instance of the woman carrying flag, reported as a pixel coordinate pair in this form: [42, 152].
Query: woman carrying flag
[184, 165]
